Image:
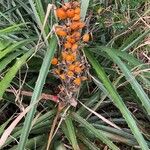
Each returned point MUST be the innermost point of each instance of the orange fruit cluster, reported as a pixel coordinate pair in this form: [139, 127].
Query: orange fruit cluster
[69, 65]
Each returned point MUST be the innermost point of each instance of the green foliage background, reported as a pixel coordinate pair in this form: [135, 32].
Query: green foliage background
[119, 84]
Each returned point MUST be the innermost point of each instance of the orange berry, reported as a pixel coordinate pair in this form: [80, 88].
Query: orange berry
[70, 13]
[74, 25]
[76, 17]
[70, 74]
[61, 14]
[86, 37]
[74, 47]
[77, 69]
[60, 32]
[67, 45]
[62, 76]
[64, 55]
[81, 25]
[71, 40]
[71, 67]
[77, 10]
[70, 58]
[76, 35]
[54, 61]
[77, 81]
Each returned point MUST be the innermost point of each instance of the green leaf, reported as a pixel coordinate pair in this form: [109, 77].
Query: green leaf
[117, 100]
[128, 40]
[5, 83]
[84, 7]
[98, 134]
[11, 29]
[123, 54]
[8, 59]
[37, 92]
[14, 47]
[70, 131]
[37, 16]
[136, 40]
[132, 62]
[33, 142]
[131, 79]
[59, 146]
[41, 14]
[89, 102]
[42, 121]
[87, 142]
[4, 125]
[3, 44]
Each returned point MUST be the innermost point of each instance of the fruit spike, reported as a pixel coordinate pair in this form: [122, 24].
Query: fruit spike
[71, 69]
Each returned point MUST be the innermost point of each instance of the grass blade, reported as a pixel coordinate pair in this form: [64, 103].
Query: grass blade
[117, 100]
[99, 135]
[5, 83]
[128, 40]
[11, 29]
[36, 141]
[37, 92]
[8, 59]
[4, 125]
[40, 122]
[135, 85]
[41, 13]
[70, 131]
[87, 142]
[123, 54]
[3, 44]
[37, 18]
[13, 47]
[84, 7]
[132, 62]
[136, 40]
